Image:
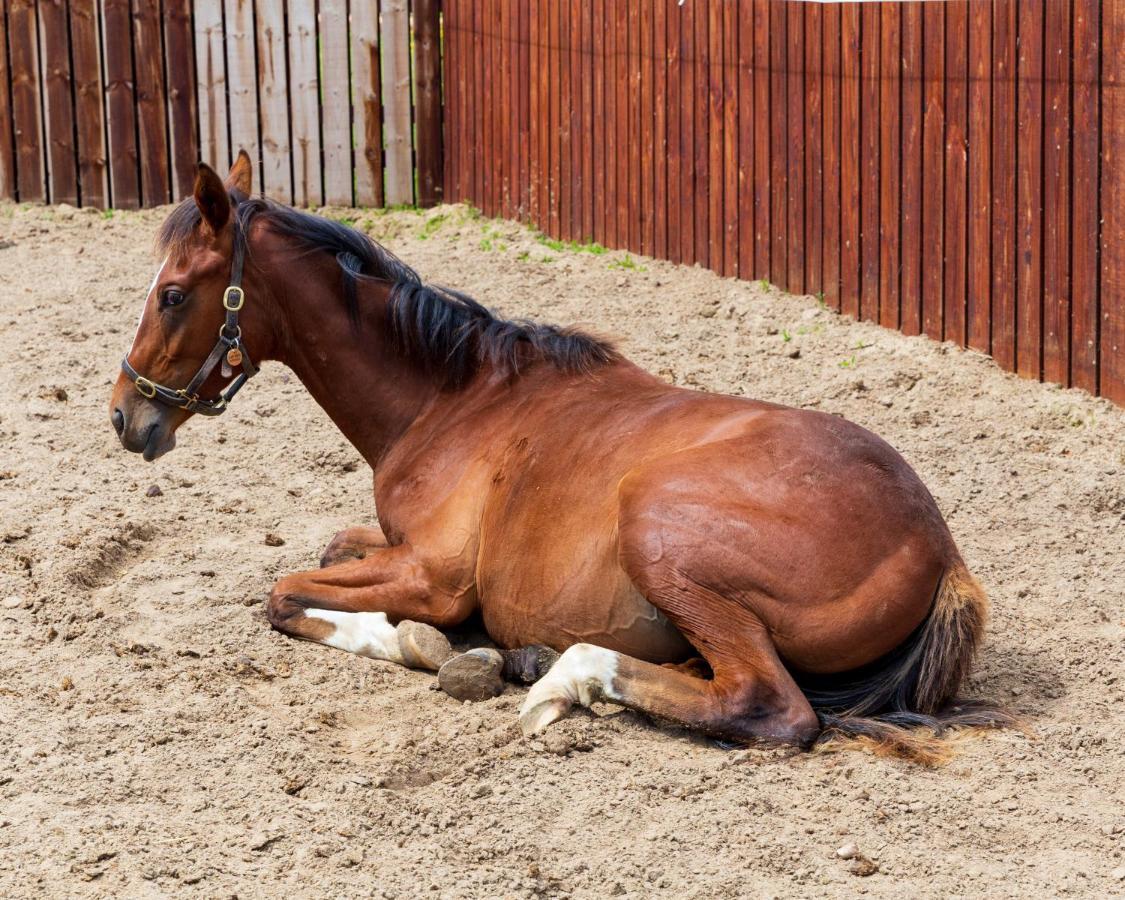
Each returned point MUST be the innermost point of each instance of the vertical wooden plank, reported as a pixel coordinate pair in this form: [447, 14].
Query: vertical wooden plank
[1003, 157]
[23, 49]
[779, 145]
[910, 281]
[58, 105]
[849, 158]
[242, 81]
[1112, 339]
[567, 175]
[730, 219]
[1084, 198]
[503, 105]
[831, 104]
[744, 22]
[795, 235]
[814, 151]
[660, 129]
[90, 130]
[335, 100]
[523, 76]
[367, 109]
[304, 106]
[586, 124]
[395, 31]
[7, 143]
[1056, 193]
[869, 123]
[152, 129]
[605, 147]
[451, 100]
[179, 75]
[427, 54]
[124, 176]
[554, 91]
[211, 74]
[635, 149]
[702, 195]
[933, 167]
[980, 175]
[647, 118]
[1029, 199]
[715, 230]
[956, 167]
[673, 110]
[890, 178]
[686, 23]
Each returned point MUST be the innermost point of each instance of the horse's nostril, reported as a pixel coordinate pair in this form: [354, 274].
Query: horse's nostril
[118, 418]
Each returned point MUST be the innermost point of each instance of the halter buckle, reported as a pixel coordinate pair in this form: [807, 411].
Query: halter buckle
[234, 291]
[145, 387]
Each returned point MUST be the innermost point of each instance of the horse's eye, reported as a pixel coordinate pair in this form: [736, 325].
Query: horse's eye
[172, 297]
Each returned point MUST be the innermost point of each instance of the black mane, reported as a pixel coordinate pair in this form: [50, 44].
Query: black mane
[444, 330]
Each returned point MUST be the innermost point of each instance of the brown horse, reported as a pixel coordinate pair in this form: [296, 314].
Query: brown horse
[535, 476]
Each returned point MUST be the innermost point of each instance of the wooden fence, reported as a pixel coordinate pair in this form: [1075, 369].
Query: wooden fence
[949, 168]
[112, 102]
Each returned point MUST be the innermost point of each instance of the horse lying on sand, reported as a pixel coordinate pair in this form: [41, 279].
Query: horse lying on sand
[756, 572]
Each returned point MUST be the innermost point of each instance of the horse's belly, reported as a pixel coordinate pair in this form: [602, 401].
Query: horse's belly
[608, 612]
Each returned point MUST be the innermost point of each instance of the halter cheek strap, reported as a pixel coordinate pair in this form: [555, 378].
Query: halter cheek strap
[229, 350]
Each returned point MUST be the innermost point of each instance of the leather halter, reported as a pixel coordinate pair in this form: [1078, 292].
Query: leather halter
[229, 350]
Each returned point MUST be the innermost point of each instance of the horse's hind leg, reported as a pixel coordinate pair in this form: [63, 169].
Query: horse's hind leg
[751, 696]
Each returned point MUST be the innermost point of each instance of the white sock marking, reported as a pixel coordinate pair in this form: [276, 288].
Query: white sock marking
[365, 633]
[583, 674]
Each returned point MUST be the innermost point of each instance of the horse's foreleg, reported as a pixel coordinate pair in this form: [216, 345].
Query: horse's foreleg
[386, 606]
[353, 543]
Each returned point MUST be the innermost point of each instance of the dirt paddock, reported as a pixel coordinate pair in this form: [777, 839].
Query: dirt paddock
[156, 737]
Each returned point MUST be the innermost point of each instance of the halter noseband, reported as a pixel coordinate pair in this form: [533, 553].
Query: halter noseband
[229, 349]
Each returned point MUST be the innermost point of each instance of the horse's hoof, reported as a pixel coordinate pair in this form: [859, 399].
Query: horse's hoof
[476, 675]
[422, 646]
[528, 664]
[540, 711]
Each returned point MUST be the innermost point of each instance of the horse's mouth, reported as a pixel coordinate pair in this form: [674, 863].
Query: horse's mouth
[159, 441]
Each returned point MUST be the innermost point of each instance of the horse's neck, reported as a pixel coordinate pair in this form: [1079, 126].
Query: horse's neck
[364, 385]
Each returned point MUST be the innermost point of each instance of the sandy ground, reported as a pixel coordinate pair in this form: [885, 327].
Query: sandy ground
[156, 737]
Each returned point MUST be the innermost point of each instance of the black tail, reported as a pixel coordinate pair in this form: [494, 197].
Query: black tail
[904, 704]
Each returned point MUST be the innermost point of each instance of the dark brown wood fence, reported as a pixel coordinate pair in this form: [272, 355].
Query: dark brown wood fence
[949, 168]
[112, 102]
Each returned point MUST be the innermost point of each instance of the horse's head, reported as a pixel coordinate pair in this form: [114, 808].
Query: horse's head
[189, 343]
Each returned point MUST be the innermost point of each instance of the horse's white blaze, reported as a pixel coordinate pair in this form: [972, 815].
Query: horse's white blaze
[364, 633]
[148, 293]
[583, 674]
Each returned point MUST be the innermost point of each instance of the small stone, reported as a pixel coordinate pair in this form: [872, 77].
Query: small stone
[67, 684]
[423, 646]
[274, 540]
[862, 866]
[848, 851]
[473, 676]
[795, 353]
[13, 602]
[154, 491]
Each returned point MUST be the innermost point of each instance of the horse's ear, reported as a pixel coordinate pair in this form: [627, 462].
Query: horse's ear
[211, 197]
[240, 177]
